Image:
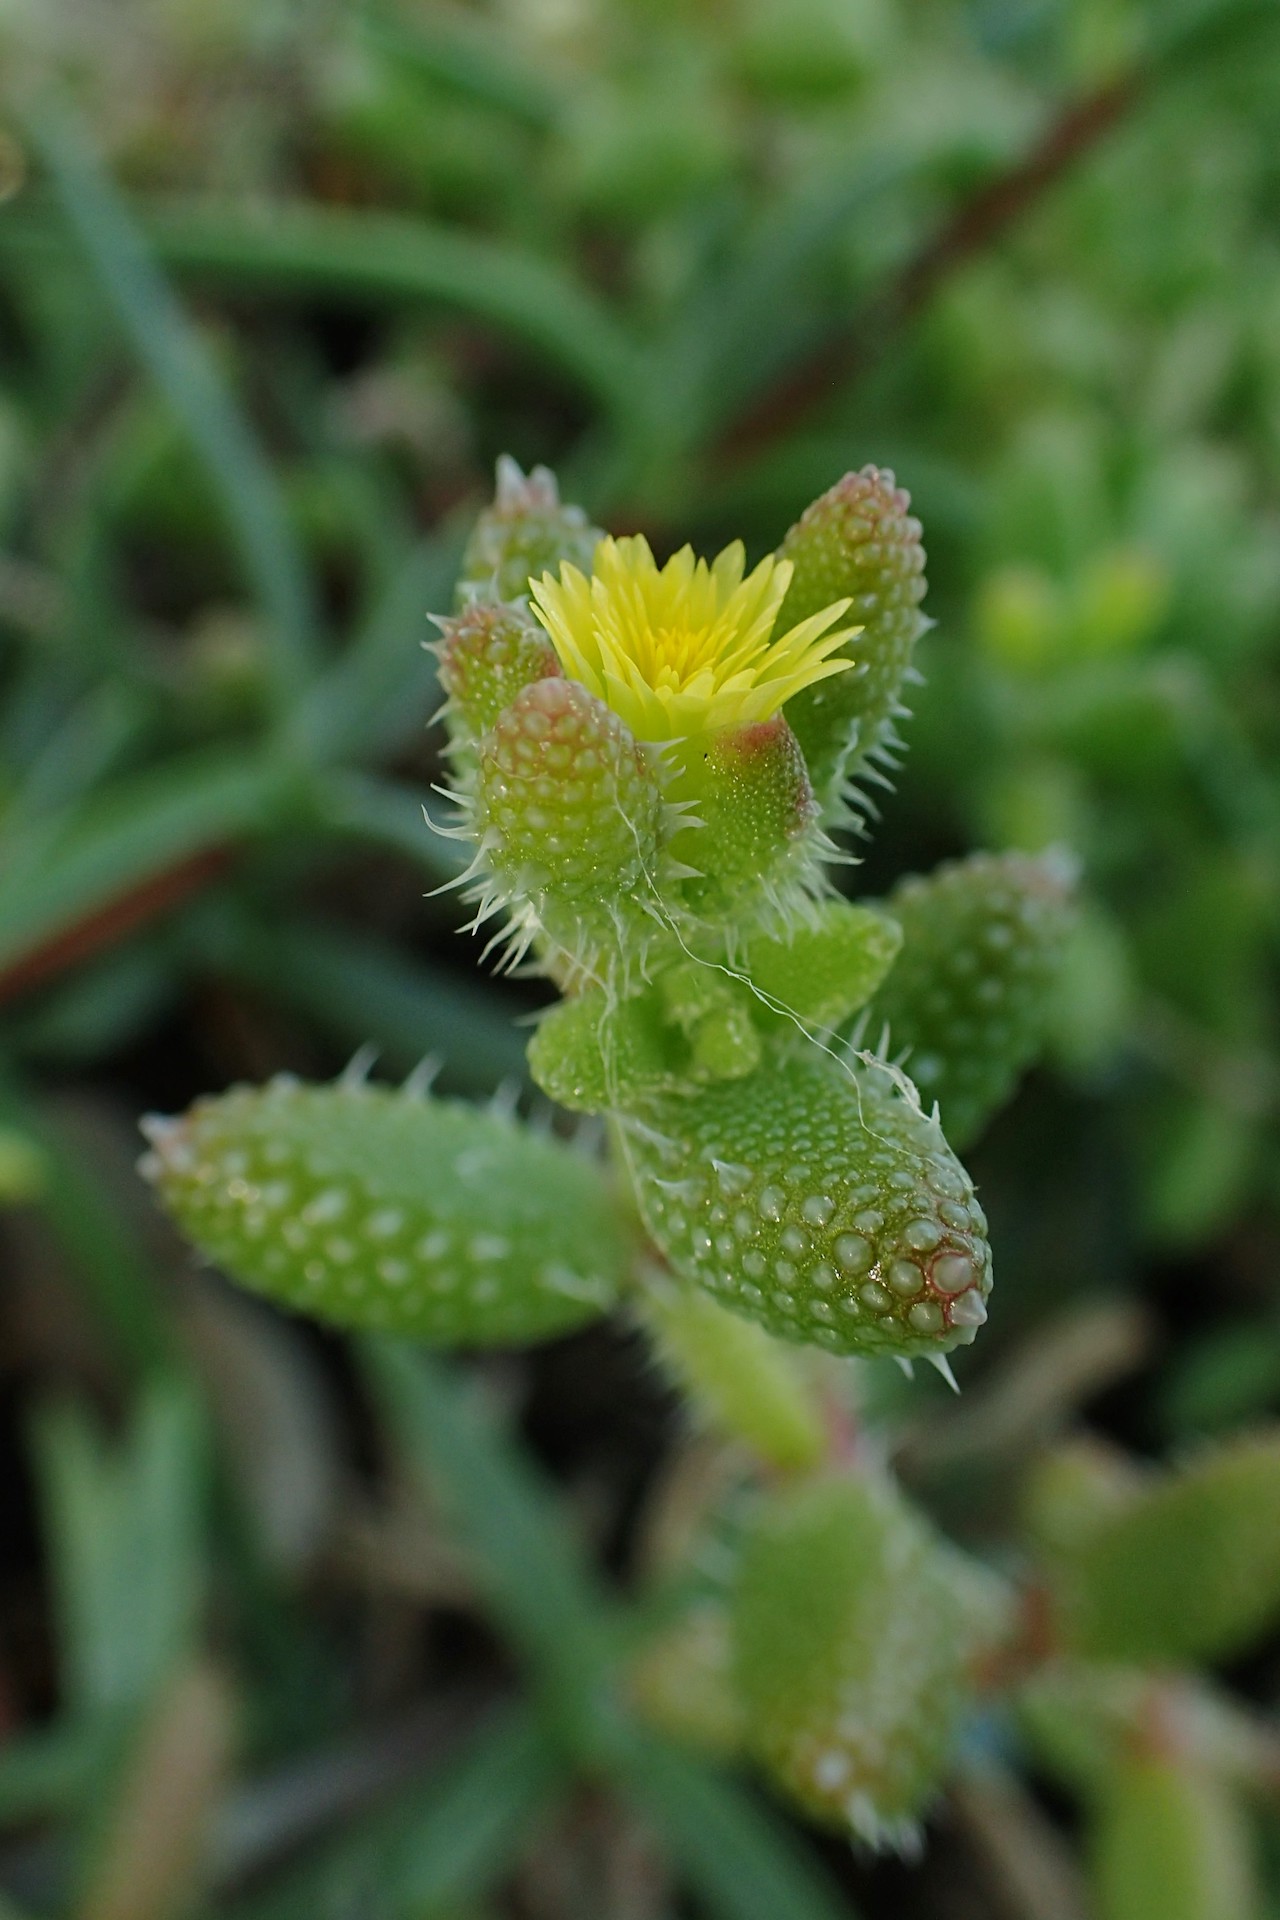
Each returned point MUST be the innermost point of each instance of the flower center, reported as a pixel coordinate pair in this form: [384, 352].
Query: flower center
[687, 648]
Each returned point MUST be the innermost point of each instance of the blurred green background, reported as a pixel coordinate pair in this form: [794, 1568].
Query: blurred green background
[277, 285]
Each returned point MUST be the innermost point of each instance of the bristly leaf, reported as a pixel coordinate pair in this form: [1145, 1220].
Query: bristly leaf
[970, 1000]
[857, 541]
[373, 1208]
[814, 1196]
[854, 1628]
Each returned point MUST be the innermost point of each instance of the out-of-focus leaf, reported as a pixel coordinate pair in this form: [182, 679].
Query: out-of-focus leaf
[102, 1007]
[383, 689]
[175, 355]
[124, 1539]
[378, 810]
[387, 258]
[1170, 1844]
[449, 1837]
[535, 1571]
[364, 991]
[736, 1855]
[109, 1262]
[151, 1848]
[120, 856]
[464, 52]
[52, 1770]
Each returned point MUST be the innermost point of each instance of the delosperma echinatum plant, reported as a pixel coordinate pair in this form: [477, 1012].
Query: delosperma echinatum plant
[649, 763]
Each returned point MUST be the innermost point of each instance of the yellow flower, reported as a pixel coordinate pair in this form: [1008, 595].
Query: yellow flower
[686, 648]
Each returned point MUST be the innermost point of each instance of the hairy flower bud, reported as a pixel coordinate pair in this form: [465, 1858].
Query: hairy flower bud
[857, 542]
[370, 1207]
[755, 844]
[970, 997]
[526, 532]
[815, 1197]
[488, 654]
[572, 822]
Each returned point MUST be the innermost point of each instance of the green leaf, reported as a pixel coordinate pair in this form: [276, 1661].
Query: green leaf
[1187, 1569]
[123, 1527]
[169, 346]
[448, 1837]
[387, 259]
[384, 1208]
[1170, 1843]
[534, 1568]
[136, 833]
[736, 1854]
[970, 998]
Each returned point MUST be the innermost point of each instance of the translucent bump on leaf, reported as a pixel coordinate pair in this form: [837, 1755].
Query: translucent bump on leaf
[488, 654]
[572, 822]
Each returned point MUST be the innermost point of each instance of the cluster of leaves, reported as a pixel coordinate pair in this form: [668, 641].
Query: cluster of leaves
[705, 258]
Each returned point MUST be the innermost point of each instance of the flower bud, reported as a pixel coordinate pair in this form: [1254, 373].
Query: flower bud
[527, 532]
[857, 541]
[369, 1207]
[488, 654]
[754, 845]
[970, 998]
[815, 1197]
[854, 1630]
[572, 822]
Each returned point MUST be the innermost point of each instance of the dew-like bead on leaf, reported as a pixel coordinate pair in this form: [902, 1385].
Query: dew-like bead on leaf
[856, 541]
[527, 532]
[488, 654]
[854, 1630]
[816, 1198]
[572, 821]
[970, 998]
[370, 1207]
[1187, 1570]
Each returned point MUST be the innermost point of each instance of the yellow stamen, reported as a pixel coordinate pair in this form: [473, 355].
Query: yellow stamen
[686, 648]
